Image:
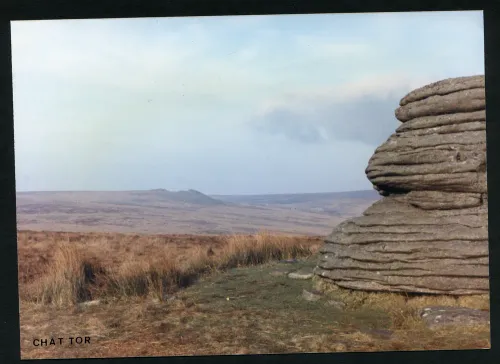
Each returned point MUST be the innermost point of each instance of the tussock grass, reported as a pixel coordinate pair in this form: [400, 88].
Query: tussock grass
[157, 278]
[243, 250]
[74, 276]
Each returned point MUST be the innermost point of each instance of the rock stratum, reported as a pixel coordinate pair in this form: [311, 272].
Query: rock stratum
[428, 234]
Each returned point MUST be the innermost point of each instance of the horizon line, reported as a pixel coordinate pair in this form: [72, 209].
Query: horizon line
[193, 190]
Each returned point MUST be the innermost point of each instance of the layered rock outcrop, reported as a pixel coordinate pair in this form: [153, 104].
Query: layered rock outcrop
[429, 233]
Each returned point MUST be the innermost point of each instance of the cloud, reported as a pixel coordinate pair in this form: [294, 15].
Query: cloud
[324, 46]
[292, 124]
[360, 111]
[97, 53]
[366, 119]
[222, 103]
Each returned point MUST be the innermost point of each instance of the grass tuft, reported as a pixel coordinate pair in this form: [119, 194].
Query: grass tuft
[72, 277]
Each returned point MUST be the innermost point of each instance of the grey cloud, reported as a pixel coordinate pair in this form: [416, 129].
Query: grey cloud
[368, 119]
[291, 124]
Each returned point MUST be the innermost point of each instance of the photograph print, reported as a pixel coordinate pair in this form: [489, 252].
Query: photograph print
[265, 184]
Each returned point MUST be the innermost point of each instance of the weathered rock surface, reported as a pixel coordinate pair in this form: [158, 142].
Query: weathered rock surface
[436, 317]
[459, 101]
[444, 87]
[429, 233]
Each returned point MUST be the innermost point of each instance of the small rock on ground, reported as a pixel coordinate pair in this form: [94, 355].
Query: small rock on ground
[90, 303]
[301, 274]
[439, 316]
[311, 295]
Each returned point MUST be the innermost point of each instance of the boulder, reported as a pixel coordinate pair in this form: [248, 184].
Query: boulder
[429, 233]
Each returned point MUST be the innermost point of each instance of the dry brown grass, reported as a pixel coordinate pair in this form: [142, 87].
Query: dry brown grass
[70, 278]
[244, 250]
[132, 274]
[80, 267]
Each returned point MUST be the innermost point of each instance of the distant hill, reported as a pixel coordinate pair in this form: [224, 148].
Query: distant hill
[160, 211]
[148, 198]
[190, 197]
[296, 198]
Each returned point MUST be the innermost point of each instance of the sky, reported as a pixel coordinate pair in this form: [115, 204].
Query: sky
[223, 105]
